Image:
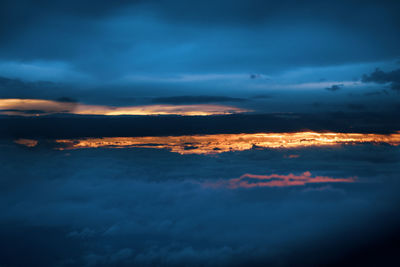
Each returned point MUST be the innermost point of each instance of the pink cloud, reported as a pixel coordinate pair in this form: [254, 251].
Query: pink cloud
[277, 180]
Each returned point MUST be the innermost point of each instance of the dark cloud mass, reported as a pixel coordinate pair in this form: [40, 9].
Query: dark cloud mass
[335, 87]
[381, 77]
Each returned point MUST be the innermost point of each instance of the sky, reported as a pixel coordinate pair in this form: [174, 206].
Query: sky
[129, 52]
[197, 133]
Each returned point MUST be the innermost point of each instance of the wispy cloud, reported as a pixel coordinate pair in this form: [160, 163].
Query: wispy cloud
[276, 180]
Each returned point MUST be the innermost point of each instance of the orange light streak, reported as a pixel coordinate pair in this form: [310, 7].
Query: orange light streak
[37, 107]
[219, 143]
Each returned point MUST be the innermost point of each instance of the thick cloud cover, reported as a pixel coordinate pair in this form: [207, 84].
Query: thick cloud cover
[147, 207]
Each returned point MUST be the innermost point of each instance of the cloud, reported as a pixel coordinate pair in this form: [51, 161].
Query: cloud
[34, 107]
[147, 206]
[36, 89]
[142, 206]
[66, 99]
[26, 142]
[196, 99]
[10, 86]
[220, 143]
[111, 40]
[335, 87]
[251, 12]
[254, 76]
[381, 77]
[276, 180]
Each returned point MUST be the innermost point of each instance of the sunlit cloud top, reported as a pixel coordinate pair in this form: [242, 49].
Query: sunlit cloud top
[219, 143]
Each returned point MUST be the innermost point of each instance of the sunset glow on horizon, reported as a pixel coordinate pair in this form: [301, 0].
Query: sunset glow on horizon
[38, 107]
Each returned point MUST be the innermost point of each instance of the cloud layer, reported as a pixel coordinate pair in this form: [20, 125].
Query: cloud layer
[149, 207]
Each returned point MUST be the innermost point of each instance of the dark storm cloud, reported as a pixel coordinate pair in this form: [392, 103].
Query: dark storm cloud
[196, 99]
[335, 87]
[381, 77]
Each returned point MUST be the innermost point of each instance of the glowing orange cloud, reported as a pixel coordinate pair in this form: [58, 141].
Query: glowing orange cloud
[276, 180]
[219, 143]
[37, 107]
[293, 156]
[26, 142]
[34, 106]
